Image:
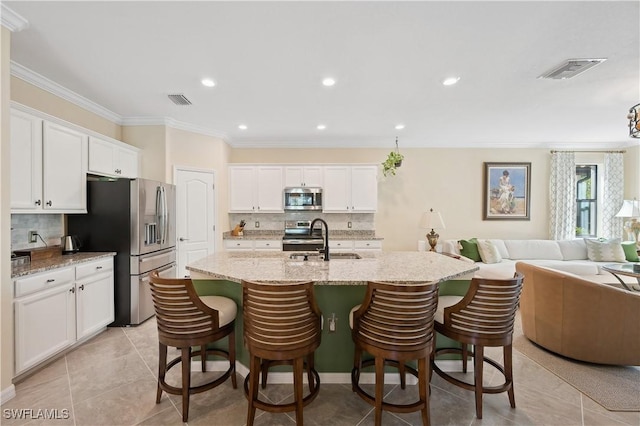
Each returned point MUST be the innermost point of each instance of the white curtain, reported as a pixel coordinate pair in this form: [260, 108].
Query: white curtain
[612, 195]
[562, 196]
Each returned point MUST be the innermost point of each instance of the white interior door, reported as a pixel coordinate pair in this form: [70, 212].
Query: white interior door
[195, 216]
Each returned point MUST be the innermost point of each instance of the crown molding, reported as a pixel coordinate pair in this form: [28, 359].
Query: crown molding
[174, 124]
[11, 20]
[54, 88]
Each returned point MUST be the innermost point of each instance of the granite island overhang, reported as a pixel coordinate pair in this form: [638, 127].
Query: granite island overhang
[340, 285]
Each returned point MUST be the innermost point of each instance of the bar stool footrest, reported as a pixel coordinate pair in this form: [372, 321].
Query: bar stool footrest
[314, 389]
[469, 386]
[173, 390]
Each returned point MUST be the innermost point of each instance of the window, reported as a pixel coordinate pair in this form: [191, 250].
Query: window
[586, 200]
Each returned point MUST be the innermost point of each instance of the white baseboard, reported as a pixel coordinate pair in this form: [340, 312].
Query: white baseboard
[278, 377]
[7, 394]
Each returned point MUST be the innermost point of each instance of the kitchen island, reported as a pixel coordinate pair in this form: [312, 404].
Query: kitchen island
[340, 285]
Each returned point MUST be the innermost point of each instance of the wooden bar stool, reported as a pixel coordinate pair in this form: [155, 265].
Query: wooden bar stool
[185, 320]
[395, 325]
[483, 317]
[282, 325]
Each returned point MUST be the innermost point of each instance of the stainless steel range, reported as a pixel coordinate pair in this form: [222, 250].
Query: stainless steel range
[297, 237]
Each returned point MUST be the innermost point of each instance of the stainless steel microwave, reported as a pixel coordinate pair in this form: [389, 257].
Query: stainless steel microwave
[302, 198]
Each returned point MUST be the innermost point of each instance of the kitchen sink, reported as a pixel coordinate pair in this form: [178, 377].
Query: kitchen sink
[319, 256]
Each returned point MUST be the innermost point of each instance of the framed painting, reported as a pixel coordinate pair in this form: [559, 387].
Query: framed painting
[507, 191]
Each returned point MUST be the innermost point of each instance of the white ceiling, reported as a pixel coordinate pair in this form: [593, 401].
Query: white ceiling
[389, 60]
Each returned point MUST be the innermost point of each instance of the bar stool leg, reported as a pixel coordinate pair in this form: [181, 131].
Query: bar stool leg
[403, 376]
[478, 359]
[162, 369]
[310, 367]
[508, 372]
[357, 364]
[186, 381]
[423, 384]
[465, 356]
[254, 375]
[232, 358]
[297, 389]
[379, 390]
[203, 357]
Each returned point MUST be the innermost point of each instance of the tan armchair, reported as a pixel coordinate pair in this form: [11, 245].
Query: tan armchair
[580, 319]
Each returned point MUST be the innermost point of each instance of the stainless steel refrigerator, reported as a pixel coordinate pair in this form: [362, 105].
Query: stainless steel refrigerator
[136, 219]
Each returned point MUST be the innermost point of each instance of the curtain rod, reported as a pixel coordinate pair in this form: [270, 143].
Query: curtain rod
[593, 152]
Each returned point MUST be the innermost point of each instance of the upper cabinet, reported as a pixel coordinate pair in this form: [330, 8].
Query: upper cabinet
[48, 166]
[350, 189]
[255, 189]
[303, 176]
[112, 158]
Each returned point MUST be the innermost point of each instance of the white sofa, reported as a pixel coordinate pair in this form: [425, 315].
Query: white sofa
[562, 255]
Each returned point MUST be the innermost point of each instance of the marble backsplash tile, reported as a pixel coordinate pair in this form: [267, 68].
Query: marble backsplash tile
[49, 226]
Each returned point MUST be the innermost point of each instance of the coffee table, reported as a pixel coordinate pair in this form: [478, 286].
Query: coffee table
[626, 269]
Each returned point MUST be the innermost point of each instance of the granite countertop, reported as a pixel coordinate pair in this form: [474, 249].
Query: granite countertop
[277, 235]
[57, 262]
[277, 267]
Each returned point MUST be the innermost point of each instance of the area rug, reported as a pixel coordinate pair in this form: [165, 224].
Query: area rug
[616, 388]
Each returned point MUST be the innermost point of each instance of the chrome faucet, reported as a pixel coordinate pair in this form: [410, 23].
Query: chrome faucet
[325, 250]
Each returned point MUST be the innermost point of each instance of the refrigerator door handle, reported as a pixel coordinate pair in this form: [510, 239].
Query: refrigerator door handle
[159, 218]
[165, 215]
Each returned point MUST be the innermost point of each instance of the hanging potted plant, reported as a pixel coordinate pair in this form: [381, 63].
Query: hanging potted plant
[393, 161]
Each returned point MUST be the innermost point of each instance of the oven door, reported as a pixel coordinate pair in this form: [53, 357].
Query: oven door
[302, 245]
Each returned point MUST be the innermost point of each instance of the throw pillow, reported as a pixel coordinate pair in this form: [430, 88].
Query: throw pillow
[630, 251]
[469, 248]
[489, 252]
[605, 250]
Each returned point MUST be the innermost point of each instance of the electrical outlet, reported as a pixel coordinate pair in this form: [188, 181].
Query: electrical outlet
[348, 224]
[33, 236]
[257, 224]
[333, 323]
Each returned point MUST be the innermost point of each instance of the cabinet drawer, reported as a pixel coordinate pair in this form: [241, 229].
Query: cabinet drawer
[341, 244]
[268, 244]
[92, 268]
[43, 281]
[239, 244]
[368, 245]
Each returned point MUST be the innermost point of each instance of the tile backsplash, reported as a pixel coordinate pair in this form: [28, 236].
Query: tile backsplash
[275, 221]
[49, 226]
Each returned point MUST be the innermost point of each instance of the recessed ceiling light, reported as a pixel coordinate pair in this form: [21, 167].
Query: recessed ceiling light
[450, 81]
[208, 82]
[328, 82]
[321, 127]
[242, 127]
[399, 126]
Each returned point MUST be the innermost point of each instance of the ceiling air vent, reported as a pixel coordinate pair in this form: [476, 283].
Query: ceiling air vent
[570, 68]
[179, 99]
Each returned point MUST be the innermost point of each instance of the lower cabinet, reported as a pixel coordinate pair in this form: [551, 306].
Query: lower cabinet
[251, 245]
[355, 245]
[55, 309]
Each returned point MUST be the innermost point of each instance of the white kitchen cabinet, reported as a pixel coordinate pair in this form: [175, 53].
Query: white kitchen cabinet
[26, 161]
[55, 309]
[354, 245]
[238, 245]
[94, 297]
[267, 245]
[310, 176]
[49, 166]
[339, 246]
[255, 189]
[45, 320]
[251, 245]
[350, 189]
[112, 158]
[64, 160]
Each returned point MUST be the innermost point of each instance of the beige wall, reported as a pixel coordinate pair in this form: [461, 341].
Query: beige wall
[30, 95]
[632, 173]
[6, 293]
[187, 149]
[448, 180]
[152, 140]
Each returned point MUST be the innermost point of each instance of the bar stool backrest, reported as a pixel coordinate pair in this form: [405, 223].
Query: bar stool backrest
[486, 314]
[396, 317]
[181, 316]
[281, 321]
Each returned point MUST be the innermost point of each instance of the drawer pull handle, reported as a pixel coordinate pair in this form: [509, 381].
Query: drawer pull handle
[49, 203]
[81, 287]
[38, 202]
[72, 289]
[50, 280]
[98, 267]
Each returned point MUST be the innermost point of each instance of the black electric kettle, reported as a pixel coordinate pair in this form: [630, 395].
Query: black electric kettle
[70, 244]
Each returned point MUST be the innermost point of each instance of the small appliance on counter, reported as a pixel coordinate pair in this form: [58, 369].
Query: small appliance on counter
[70, 244]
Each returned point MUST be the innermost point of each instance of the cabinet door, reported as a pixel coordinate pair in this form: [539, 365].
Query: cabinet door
[64, 169]
[241, 187]
[269, 189]
[303, 176]
[128, 163]
[337, 190]
[44, 325]
[103, 157]
[94, 303]
[364, 188]
[26, 162]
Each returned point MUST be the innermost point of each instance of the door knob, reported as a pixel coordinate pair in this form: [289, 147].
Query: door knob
[183, 239]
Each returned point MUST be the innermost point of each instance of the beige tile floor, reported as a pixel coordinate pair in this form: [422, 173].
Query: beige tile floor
[110, 380]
